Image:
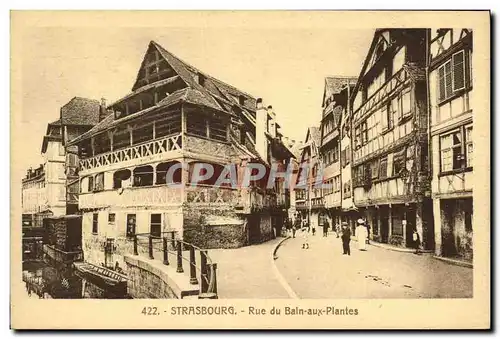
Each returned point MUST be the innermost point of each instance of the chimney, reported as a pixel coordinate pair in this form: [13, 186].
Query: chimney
[260, 129]
[103, 112]
[272, 121]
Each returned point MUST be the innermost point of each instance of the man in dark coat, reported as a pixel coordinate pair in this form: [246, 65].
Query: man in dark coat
[326, 226]
[346, 238]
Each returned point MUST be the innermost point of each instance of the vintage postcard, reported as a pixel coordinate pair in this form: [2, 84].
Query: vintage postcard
[250, 170]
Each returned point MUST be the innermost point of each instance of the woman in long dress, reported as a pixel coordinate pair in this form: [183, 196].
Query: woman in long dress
[361, 234]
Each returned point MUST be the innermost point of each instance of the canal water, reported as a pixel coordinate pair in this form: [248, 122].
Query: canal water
[42, 280]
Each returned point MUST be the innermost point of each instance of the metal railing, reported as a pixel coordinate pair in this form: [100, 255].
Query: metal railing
[167, 244]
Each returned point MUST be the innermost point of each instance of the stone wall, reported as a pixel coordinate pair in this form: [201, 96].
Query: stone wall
[213, 228]
[147, 282]
[266, 230]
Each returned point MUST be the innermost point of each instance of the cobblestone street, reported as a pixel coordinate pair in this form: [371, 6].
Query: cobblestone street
[323, 272]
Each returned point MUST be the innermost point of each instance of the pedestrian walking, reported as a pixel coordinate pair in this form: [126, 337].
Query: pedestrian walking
[337, 230]
[305, 237]
[313, 225]
[416, 241]
[368, 231]
[295, 226]
[326, 226]
[361, 234]
[346, 239]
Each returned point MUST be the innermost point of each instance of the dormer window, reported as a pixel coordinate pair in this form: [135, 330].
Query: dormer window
[241, 100]
[201, 79]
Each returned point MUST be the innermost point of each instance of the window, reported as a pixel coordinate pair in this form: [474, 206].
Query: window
[383, 168]
[399, 161]
[336, 184]
[357, 138]
[142, 134]
[451, 151]
[196, 125]
[91, 184]
[99, 182]
[155, 225]
[393, 112]
[359, 176]
[131, 221]
[364, 133]
[111, 218]
[405, 104]
[384, 121]
[335, 155]
[451, 76]
[61, 149]
[95, 223]
[469, 145]
[374, 168]
[347, 155]
[347, 189]
[214, 128]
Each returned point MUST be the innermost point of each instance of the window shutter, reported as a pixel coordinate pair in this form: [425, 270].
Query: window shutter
[442, 92]
[458, 71]
[448, 79]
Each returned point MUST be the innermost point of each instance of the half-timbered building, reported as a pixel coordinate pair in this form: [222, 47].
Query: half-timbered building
[451, 104]
[390, 164]
[335, 102]
[308, 192]
[176, 117]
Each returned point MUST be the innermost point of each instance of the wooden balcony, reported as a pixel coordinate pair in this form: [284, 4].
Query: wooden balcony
[151, 151]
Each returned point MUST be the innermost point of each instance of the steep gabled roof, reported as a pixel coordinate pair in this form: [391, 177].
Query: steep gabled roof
[335, 84]
[183, 95]
[314, 135]
[80, 111]
[214, 94]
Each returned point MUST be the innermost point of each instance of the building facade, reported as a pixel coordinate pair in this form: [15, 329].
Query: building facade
[390, 155]
[308, 192]
[77, 116]
[333, 149]
[451, 106]
[175, 120]
[43, 189]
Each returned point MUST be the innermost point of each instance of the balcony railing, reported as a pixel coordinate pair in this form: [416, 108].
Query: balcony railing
[210, 195]
[172, 251]
[396, 82]
[149, 148]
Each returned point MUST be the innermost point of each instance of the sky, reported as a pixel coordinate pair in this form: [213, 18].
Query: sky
[285, 66]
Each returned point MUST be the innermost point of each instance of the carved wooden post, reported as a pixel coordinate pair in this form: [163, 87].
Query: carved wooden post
[165, 251]
[135, 245]
[151, 247]
[179, 257]
[203, 269]
[192, 266]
